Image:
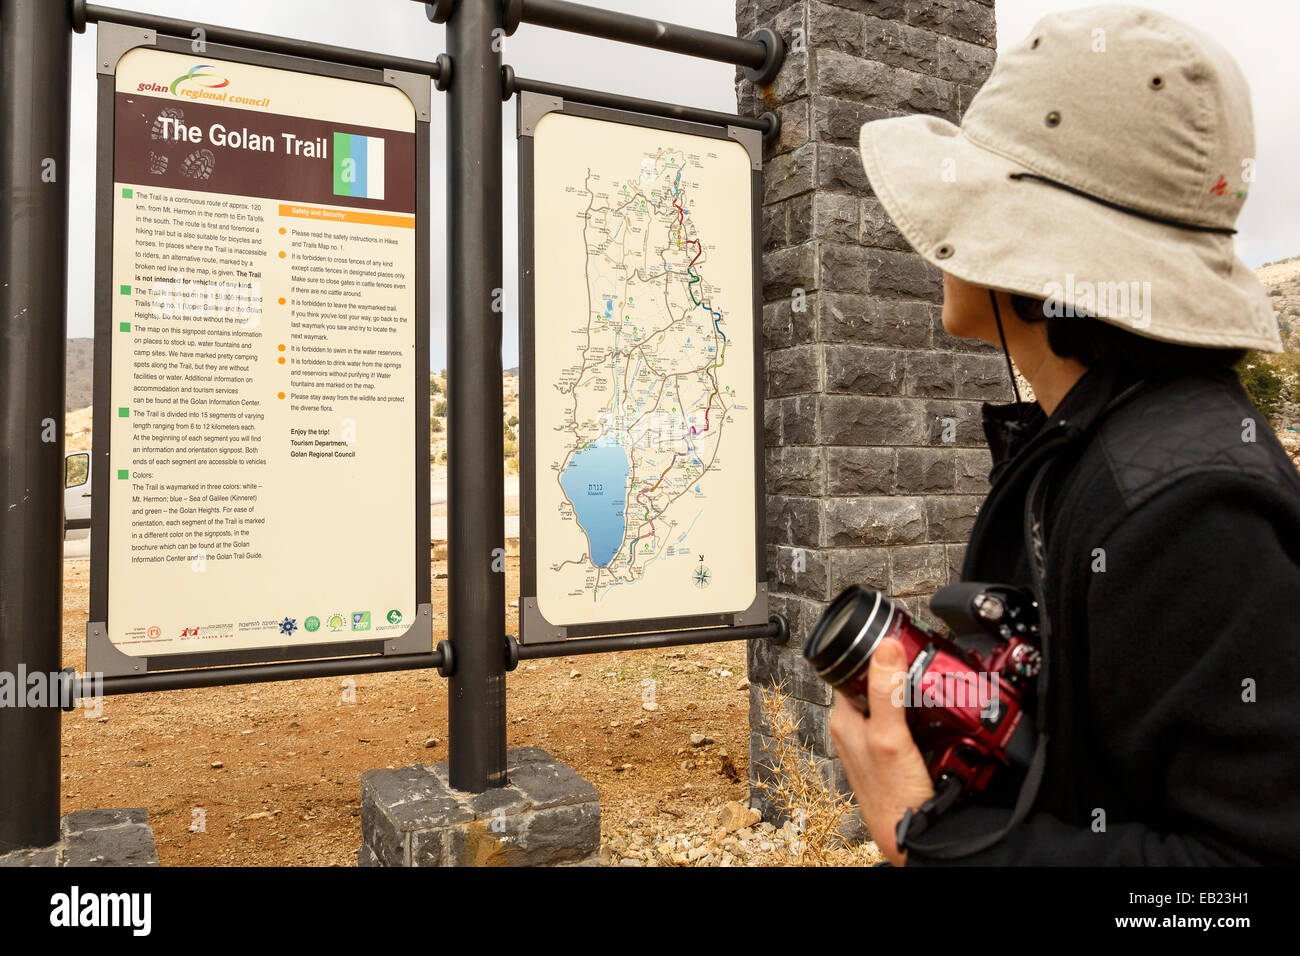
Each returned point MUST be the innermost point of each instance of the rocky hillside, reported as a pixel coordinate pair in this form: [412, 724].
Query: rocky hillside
[1282, 280]
[77, 391]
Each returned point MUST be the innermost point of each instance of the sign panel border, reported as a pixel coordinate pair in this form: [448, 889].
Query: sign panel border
[102, 656]
[533, 626]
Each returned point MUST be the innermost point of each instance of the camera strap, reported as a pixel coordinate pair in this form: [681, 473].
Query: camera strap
[917, 821]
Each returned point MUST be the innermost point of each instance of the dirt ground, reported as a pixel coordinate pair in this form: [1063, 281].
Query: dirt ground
[269, 774]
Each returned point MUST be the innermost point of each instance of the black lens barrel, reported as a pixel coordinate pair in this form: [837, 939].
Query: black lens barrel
[846, 634]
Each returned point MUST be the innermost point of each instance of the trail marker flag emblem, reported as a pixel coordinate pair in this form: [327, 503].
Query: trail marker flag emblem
[358, 166]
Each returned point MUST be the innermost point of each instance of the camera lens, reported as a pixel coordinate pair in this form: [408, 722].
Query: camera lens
[847, 633]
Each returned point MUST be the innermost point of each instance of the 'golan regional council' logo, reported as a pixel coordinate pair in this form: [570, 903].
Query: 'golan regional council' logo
[209, 81]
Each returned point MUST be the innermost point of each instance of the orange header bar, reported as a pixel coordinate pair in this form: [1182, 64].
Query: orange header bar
[359, 216]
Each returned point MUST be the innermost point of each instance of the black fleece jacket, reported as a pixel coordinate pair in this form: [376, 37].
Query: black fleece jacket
[1173, 583]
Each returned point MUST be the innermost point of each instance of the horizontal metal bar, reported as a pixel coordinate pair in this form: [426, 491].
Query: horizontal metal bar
[653, 107]
[76, 524]
[776, 627]
[642, 31]
[94, 13]
[254, 674]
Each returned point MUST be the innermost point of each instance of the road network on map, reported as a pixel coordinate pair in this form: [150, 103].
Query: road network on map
[647, 397]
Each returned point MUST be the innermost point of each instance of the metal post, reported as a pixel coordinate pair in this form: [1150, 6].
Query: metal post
[476, 475]
[35, 59]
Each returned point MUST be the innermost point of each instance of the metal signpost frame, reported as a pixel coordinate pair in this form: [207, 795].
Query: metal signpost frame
[123, 673]
[534, 628]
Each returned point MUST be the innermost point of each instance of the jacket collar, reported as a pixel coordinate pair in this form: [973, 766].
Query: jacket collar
[1015, 426]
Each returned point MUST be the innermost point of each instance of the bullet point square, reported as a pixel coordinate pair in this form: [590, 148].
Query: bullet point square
[123, 473]
[127, 194]
[124, 413]
[125, 290]
[124, 326]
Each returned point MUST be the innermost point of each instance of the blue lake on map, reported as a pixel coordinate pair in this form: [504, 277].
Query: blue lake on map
[595, 481]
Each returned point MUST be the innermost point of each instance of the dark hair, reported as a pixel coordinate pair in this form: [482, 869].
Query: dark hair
[1089, 340]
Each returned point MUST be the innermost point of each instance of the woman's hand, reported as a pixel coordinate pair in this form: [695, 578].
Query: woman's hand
[883, 764]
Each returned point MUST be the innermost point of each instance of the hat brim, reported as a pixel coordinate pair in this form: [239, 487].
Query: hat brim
[955, 203]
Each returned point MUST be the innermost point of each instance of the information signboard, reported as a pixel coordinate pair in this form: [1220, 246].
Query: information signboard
[642, 401]
[261, 383]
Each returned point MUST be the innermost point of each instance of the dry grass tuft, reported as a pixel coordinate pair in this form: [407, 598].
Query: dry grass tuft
[798, 789]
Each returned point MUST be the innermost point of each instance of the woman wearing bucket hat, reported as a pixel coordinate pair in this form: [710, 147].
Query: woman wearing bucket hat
[1083, 217]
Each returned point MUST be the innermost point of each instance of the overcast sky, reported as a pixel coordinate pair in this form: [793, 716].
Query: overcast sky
[1260, 33]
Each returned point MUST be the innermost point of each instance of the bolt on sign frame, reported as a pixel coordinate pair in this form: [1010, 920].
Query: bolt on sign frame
[723, 164]
[118, 164]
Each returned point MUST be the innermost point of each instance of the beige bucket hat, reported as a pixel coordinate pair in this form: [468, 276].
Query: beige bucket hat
[1101, 167]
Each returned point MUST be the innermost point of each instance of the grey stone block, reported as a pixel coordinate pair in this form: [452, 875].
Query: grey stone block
[46, 856]
[130, 844]
[964, 63]
[965, 19]
[878, 229]
[926, 471]
[840, 170]
[94, 819]
[865, 420]
[956, 554]
[903, 46]
[772, 436]
[775, 235]
[798, 571]
[949, 518]
[859, 370]
[801, 417]
[811, 721]
[984, 377]
[865, 567]
[967, 424]
[778, 330]
[834, 28]
[856, 318]
[973, 465]
[796, 126]
[773, 665]
[546, 815]
[794, 371]
[917, 570]
[931, 374]
[903, 275]
[789, 174]
[788, 269]
[799, 227]
[95, 838]
[835, 217]
[802, 613]
[838, 121]
[858, 522]
[794, 521]
[893, 9]
[795, 471]
[860, 471]
[544, 781]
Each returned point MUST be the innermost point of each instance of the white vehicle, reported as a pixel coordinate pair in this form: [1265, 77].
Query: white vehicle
[76, 494]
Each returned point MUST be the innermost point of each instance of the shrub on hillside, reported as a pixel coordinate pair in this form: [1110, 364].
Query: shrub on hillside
[1262, 383]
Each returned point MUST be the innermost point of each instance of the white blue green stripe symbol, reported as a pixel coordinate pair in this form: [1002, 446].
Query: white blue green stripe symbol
[358, 166]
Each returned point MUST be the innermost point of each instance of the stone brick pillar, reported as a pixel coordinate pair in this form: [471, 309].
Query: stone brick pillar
[876, 461]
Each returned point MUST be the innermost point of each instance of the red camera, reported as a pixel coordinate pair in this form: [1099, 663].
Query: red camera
[965, 704]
